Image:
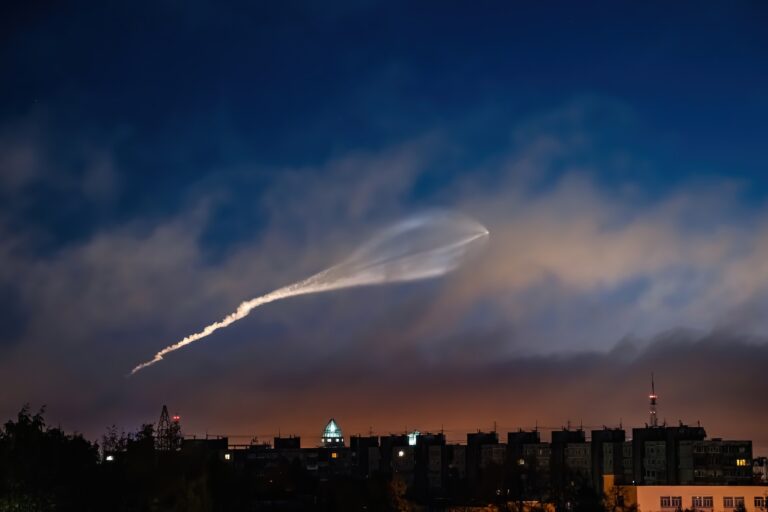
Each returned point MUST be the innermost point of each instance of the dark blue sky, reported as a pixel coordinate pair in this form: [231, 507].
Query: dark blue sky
[161, 162]
[178, 91]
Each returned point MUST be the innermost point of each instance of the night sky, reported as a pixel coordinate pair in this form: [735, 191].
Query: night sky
[162, 162]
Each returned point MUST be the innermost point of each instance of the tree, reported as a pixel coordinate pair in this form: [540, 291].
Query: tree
[113, 443]
[43, 468]
[614, 500]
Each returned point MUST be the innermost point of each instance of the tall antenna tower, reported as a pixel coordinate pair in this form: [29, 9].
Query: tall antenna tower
[164, 431]
[168, 432]
[653, 397]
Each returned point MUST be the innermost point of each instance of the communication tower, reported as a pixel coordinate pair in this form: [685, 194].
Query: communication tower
[168, 431]
[653, 397]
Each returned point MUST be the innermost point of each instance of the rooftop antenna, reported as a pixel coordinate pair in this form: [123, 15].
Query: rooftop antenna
[653, 397]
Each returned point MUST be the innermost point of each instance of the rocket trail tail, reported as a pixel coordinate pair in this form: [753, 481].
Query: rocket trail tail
[419, 248]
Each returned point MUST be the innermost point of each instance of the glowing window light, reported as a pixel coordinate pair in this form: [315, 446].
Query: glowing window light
[334, 455]
[412, 438]
[401, 453]
[110, 458]
[227, 456]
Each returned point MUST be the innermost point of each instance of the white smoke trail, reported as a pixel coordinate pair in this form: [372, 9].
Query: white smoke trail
[418, 248]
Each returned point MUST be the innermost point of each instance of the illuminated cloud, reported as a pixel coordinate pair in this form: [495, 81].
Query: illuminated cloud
[575, 266]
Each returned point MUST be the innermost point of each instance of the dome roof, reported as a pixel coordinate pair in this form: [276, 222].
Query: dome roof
[332, 433]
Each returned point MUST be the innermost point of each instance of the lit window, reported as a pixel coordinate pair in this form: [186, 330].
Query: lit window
[110, 458]
[334, 455]
[227, 456]
[521, 462]
[741, 462]
[401, 453]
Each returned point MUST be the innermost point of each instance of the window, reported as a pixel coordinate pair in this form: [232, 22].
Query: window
[666, 502]
[728, 502]
[741, 462]
[759, 502]
[702, 501]
[677, 501]
[334, 455]
[738, 501]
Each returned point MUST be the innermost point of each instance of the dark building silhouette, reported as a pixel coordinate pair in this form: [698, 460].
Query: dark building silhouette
[431, 465]
[391, 446]
[560, 470]
[656, 452]
[527, 465]
[365, 455]
[715, 461]
[516, 442]
[475, 443]
[287, 443]
[607, 454]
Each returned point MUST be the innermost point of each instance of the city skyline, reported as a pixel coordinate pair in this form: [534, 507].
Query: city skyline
[314, 437]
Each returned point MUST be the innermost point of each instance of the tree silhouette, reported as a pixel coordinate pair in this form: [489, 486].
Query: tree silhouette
[42, 468]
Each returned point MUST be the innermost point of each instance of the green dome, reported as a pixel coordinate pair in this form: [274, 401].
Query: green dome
[332, 435]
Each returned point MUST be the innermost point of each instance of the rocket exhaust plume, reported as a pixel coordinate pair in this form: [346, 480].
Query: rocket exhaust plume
[420, 247]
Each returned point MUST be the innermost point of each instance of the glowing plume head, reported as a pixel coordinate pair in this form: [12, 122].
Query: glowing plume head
[420, 247]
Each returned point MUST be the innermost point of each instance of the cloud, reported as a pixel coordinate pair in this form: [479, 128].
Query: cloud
[574, 266]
